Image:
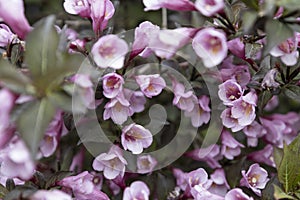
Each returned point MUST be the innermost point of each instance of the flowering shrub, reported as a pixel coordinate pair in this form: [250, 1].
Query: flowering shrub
[204, 107]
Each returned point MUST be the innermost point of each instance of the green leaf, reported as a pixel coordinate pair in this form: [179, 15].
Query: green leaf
[276, 32]
[292, 91]
[33, 122]
[278, 155]
[12, 78]
[268, 191]
[249, 18]
[280, 194]
[289, 4]
[3, 191]
[63, 100]
[41, 46]
[289, 170]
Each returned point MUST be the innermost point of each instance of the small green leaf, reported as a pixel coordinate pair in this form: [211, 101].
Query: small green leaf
[41, 46]
[12, 78]
[293, 92]
[280, 194]
[277, 32]
[33, 122]
[3, 191]
[289, 170]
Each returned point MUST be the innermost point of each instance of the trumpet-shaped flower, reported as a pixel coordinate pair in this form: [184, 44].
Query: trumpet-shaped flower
[255, 178]
[101, 12]
[135, 137]
[118, 109]
[145, 164]
[209, 7]
[112, 85]
[210, 45]
[151, 85]
[137, 190]
[12, 12]
[77, 7]
[110, 51]
[112, 163]
[16, 161]
[287, 51]
[229, 91]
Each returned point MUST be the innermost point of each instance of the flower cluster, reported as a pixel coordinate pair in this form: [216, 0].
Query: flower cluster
[205, 106]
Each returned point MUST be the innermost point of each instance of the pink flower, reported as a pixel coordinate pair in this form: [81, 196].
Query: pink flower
[181, 180]
[7, 129]
[142, 35]
[49, 195]
[183, 100]
[253, 132]
[200, 113]
[112, 85]
[101, 12]
[287, 51]
[200, 193]
[281, 128]
[167, 42]
[198, 177]
[263, 156]
[16, 161]
[229, 91]
[77, 7]
[151, 85]
[110, 51]
[85, 186]
[55, 130]
[219, 185]
[210, 45]
[137, 190]
[229, 121]
[256, 178]
[209, 7]
[269, 79]
[230, 147]
[6, 36]
[135, 137]
[237, 47]
[112, 163]
[244, 109]
[180, 5]
[239, 73]
[237, 194]
[211, 158]
[118, 109]
[137, 100]
[145, 164]
[85, 90]
[12, 12]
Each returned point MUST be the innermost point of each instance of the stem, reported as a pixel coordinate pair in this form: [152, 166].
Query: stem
[164, 18]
